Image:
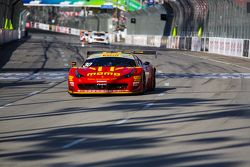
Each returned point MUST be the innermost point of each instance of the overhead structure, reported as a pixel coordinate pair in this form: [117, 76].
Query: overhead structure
[126, 5]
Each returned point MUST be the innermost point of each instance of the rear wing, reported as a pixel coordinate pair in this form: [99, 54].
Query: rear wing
[146, 52]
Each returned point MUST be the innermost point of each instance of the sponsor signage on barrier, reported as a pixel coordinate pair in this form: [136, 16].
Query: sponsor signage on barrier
[157, 41]
[222, 46]
[196, 44]
[128, 40]
[216, 45]
[227, 46]
[122, 4]
[140, 40]
[150, 41]
[233, 47]
[43, 26]
[211, 45]
[164, 41]
[75, 31]
[239, 50]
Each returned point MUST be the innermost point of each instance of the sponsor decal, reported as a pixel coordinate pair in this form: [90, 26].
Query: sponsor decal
[111, 54]
[103, 74]
[71, 78]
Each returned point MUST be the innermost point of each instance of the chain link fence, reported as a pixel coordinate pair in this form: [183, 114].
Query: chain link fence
[211, 18]
[203, 18]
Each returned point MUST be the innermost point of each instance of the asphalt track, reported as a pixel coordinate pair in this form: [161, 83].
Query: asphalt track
[197, 116]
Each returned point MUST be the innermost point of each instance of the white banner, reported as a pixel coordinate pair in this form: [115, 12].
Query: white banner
[211, 45]
[239, 48]
[233, 47]
[75, 31]
[216, 45]
[140, 40]
[222, 46]
[196, 44]
[158, 41]
[128, 39]
[227, 46]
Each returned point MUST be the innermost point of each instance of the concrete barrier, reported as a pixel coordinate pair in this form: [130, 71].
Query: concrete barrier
[223, 46]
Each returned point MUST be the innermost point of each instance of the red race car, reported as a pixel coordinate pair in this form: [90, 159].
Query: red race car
[111, 73]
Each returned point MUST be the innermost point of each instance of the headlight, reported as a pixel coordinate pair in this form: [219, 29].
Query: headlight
[130, 74]
[78, 75]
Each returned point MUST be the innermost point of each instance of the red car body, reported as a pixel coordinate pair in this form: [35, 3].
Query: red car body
[96, 77]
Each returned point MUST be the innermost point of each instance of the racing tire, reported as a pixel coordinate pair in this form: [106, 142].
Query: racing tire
[144, 86]
[153, 82]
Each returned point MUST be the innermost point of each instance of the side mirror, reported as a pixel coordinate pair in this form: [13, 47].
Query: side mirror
[146, 63]
[73, 64]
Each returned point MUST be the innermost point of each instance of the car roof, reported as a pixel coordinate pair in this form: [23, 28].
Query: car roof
[111, 54]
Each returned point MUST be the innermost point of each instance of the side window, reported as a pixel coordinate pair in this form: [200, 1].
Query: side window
[138, 61]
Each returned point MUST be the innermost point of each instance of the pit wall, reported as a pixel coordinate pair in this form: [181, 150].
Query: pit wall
[7, 36]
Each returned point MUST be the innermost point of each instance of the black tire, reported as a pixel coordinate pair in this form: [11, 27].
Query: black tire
[144, 85]
[153, 84]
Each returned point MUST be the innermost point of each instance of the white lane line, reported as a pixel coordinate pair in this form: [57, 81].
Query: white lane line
[217, 61]
[52, 83]
[159, 71]
[166, 84]
[33, 93]
[161, 94]
[121, 121]
[6, 105]
[73, 143]
[148, 105]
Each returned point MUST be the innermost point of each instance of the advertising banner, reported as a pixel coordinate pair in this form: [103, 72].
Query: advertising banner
[227, 46]
[140, 40]
[121, 4]
[222, 46]
[164, 41]
[128, 40]
[233, 47]
[196, 44]
[216, 45]
[239, 48]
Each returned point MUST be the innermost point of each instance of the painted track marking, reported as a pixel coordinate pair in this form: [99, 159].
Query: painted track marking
[148, 105]
[33, 93]
[121, 122]
[74, 143]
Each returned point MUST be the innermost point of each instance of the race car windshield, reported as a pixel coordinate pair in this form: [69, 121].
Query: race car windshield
[99, 34]
[110, 61]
